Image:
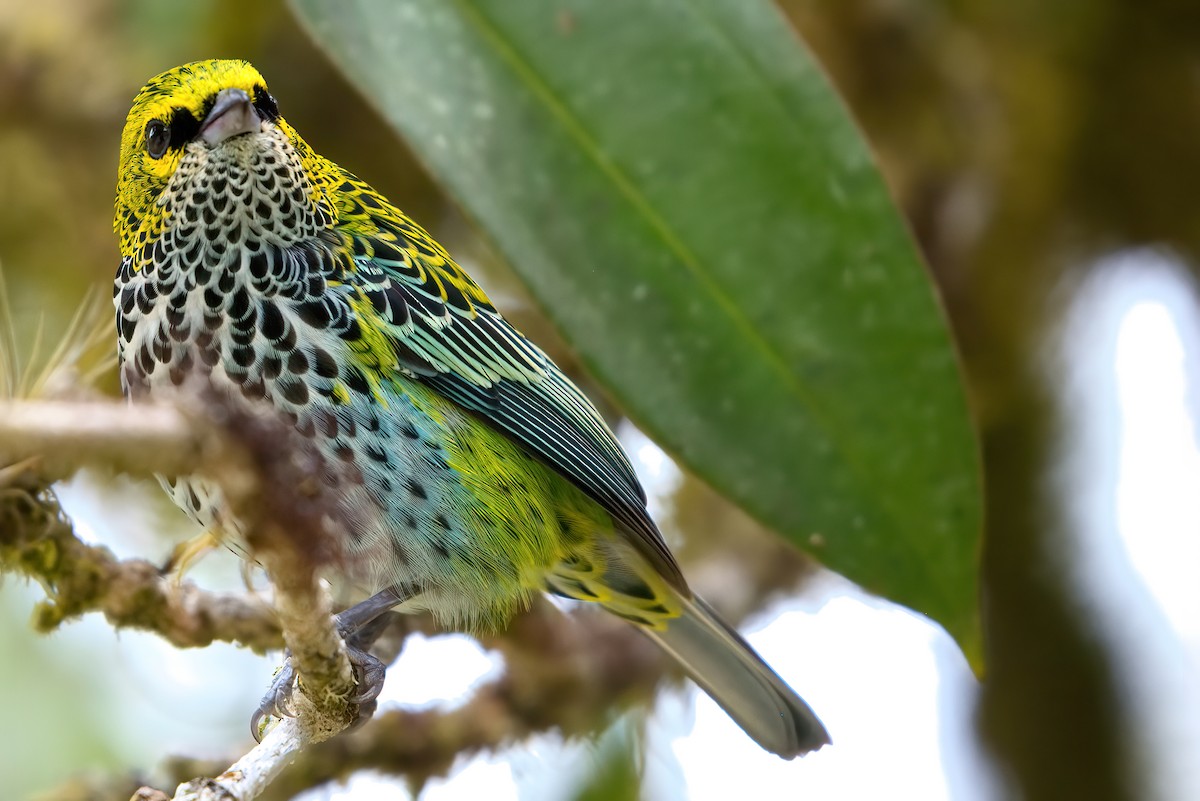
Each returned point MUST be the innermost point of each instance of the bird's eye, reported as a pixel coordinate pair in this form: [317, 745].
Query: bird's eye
[157, 138]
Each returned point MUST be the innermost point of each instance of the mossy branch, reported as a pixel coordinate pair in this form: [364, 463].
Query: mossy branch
[265, 478]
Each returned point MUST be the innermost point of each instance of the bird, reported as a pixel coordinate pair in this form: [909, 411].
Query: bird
[290, 283]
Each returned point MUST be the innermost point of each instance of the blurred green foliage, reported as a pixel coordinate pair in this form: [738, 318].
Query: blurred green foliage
[615, 776]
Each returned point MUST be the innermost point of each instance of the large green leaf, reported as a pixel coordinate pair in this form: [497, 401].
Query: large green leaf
[683, 192]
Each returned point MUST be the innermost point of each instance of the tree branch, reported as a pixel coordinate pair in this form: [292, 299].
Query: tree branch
[267, 475]
[37, 542]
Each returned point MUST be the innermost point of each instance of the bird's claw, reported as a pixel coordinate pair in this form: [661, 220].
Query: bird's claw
[277, 703]
[369, 673]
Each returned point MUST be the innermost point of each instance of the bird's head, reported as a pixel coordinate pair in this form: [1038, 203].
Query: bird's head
[204, 133]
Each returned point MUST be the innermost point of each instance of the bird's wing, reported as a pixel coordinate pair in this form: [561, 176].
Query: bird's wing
[446, 334]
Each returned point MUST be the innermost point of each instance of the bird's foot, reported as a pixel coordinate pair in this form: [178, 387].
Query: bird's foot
[369, 673]
[359, 626]
[277, 703]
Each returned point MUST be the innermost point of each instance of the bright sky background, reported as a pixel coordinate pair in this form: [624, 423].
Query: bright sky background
[892, 688]
[1132, 349]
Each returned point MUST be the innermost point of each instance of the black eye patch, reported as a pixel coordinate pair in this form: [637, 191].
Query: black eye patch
[265, 104]
[184, 127]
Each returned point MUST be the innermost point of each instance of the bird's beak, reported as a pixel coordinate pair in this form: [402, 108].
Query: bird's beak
[231, 114]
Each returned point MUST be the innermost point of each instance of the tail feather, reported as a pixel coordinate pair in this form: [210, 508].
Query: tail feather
[706, 647]
[750, 692]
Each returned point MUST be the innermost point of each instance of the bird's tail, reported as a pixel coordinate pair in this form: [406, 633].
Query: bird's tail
[710, 651]
[750, 692]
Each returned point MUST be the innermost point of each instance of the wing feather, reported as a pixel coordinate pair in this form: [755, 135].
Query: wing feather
[458, 344]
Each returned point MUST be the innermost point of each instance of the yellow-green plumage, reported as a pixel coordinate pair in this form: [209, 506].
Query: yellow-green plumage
[486, 473]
